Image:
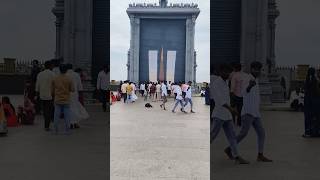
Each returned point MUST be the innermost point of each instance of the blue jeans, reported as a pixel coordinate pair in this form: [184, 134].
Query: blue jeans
[228, 128]
[65, 109]
[248, 120]
[190, 101]
[177, 102]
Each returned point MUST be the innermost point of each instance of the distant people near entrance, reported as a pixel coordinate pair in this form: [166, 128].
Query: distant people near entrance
[164, 94]
[169, 88]
[142, 88]
[102, 86]
[62, 87]
[297, 100]
[44, 92]
[158, 91]
[312, 104]
[237, 79]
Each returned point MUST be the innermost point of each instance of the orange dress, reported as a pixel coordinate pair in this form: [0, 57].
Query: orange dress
[12, 120]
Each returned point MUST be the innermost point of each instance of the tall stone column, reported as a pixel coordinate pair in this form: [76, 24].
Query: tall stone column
[134, 49]
[189, 71]
[273, 13]
[58, 11]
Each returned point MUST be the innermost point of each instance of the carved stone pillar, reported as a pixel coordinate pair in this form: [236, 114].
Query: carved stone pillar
[58, 11]
[134, 49]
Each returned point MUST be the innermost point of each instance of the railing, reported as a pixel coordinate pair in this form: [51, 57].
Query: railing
[13, 66]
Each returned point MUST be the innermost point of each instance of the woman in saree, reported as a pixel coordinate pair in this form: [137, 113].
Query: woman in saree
[3, 122]
[10, 112]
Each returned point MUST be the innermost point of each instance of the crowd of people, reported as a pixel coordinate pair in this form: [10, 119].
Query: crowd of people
[158, 92]
[235, 97]
[56, 92]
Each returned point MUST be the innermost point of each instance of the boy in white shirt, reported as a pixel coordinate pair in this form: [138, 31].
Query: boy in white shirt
[179, 98]
[250, 114]
[188, 98]
[164, 94]
[222, 113]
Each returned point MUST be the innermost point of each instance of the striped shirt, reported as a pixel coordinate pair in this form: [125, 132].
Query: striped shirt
[251, 100]
[221, 96]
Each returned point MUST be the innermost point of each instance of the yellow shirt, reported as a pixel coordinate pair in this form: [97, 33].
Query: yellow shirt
[129, 89]
[62, 87]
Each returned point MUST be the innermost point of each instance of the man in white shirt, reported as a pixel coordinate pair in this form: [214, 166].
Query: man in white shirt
[169, 88]
[44, 91]
[142, 88]
[102, 86]
[164, 94]
[222, 113]
[297, 100]
[179, 98]
[158, 91]
[188, 98]
[250, 114]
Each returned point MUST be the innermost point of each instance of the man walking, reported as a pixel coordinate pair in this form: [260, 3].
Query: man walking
[222, 113]
[188, 98]
[179, 98]
[237, 80]
[62, 87]
[164, 94]
[44, 92]
[102, 86]
[250, 114]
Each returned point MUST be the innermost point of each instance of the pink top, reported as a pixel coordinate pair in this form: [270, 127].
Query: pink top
[237, 82]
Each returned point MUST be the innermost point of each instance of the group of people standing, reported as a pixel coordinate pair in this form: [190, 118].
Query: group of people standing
[59, 89]
[236, 100]
[159, 91]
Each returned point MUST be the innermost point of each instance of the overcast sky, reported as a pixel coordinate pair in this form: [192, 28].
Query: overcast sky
[27, 31]
[120, 37]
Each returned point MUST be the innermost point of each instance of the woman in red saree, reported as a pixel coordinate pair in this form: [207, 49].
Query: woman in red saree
[10, 113]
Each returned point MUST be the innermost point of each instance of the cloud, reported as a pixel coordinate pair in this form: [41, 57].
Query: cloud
[120, 37]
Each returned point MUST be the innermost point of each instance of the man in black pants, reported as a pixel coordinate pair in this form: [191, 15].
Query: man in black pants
[44, 93]
[102, 86]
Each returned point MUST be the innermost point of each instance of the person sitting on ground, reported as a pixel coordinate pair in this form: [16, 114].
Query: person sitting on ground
[26, 113]
[296, 100]
[10, 112]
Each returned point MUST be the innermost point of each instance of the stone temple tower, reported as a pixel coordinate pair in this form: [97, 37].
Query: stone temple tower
[162, 42]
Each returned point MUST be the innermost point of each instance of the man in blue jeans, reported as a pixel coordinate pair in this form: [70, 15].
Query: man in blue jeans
[62, 87]
[250, 114]
[222, 113]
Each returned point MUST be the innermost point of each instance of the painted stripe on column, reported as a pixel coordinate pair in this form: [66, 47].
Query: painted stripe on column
[153, 65]
[171, 64]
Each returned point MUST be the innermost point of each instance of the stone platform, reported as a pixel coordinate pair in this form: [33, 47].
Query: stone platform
[152, 144]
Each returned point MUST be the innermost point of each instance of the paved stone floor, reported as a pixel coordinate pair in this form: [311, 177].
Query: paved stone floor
[150, 144]
[294, 158]
[30, 153]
